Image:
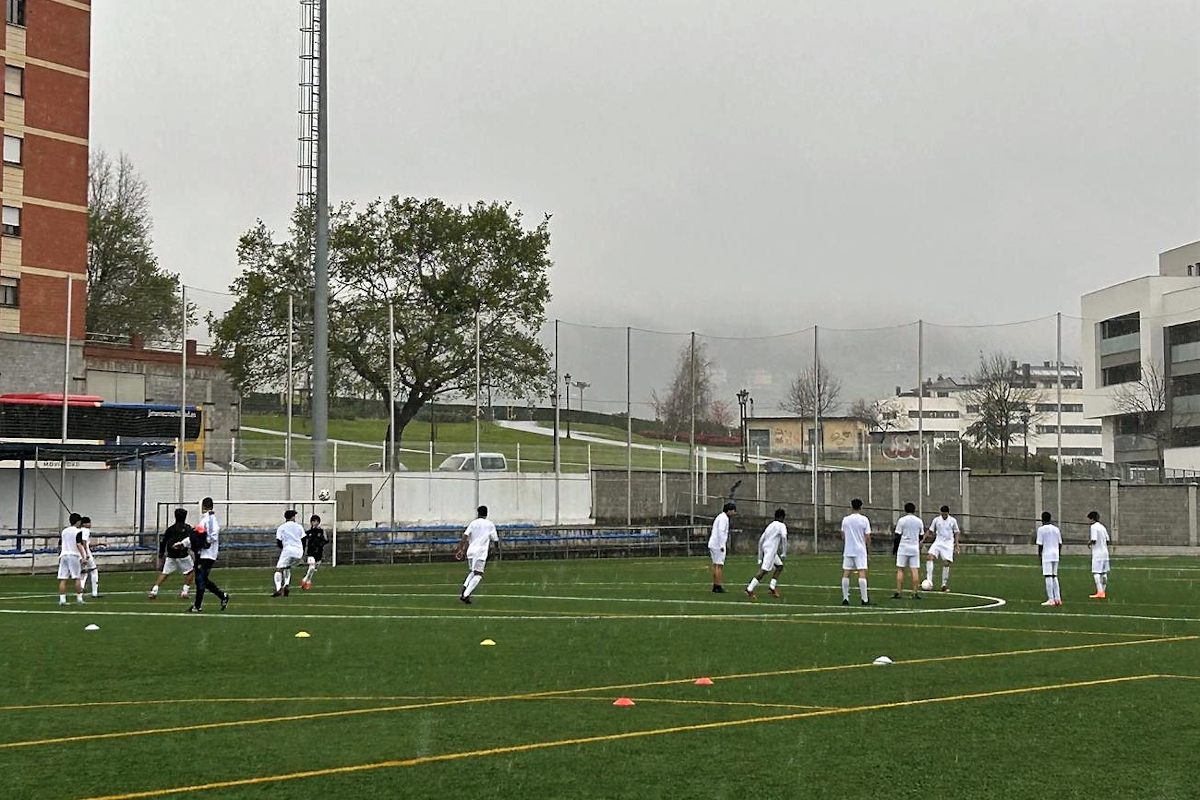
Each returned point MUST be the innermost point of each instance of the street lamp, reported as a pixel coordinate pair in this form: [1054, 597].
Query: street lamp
[743, 396]
[581, 385]
[1025, 426]
[567, 381]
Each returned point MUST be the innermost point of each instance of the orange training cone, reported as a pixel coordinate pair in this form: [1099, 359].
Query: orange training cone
[622, 701]
[704, 682]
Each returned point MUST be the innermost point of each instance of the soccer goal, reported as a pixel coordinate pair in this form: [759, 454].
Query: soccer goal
[248, 526]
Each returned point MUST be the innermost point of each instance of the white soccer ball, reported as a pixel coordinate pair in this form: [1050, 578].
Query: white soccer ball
[927, 585]
[323, 495]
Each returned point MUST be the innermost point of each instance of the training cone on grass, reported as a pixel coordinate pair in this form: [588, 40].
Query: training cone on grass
[488, 643]
[882, 661]
[92, 627]
[622, 701]
[704, 681]
[302, 635]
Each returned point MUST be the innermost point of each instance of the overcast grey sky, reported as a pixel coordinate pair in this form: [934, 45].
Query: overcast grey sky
[731, 167]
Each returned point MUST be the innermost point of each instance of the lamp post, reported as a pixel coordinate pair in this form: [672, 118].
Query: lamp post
[581, 385]
[567, 381]
[1025, 427]
[742, 397]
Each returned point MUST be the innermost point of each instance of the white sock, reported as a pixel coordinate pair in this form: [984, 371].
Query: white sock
[95, 582]
[62, 598]
[1104, 577]
[1049, 588]
[774, 583]
[287, 577]
[309, 574]
[79, 597]
[472, 582]
[1057, 591]
[845, 588]
[1099, 582]
[278, 581]
[862, 588]
[929, 570]
[154, 590]
[945, 576]
[752, 585]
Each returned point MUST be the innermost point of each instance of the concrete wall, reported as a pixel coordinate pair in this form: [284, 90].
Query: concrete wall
[1079, 497]
[1003, 507]
[1159, 515]
[110, 498]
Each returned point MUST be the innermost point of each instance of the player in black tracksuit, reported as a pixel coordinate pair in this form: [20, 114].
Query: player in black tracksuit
[173, 554]
[314, 547]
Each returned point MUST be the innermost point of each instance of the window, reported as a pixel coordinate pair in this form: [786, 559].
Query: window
[1067, 408]
[1122, 373]
[1089, 429]
[11, 220]
[1185, 385]
[14, 80]
[16, 12]
[1121, 326]
[10, 292]
[12, 149]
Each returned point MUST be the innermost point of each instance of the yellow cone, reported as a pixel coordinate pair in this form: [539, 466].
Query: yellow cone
[488, 643]
[302, 635]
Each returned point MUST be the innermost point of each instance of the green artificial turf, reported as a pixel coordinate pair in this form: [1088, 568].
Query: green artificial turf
[392, 694]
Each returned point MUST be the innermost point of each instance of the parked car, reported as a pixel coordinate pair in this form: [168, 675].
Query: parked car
[465, 462]
[218, 466]
[377, 466]
[781, 466]
[268, 463]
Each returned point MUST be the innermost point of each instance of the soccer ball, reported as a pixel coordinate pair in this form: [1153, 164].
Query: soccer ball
[323, 495]
[926, 585]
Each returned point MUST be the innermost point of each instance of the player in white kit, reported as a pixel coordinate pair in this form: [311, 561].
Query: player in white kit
[772, 547]
[88, 563]
[69, 560]
[287, 538]
[945, 542]
[1098, 541]
[718, 541]
[907, 548]
[474, 545]
[856, 533]
[1049, 542]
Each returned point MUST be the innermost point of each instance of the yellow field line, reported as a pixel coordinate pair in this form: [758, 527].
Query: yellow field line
[609, 737]
[553, 693]
[672, 701]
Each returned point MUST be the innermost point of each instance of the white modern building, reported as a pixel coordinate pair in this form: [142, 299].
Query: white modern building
[946, 412]
[1141, 351]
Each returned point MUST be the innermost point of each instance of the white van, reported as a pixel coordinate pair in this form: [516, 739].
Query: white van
[465, 462]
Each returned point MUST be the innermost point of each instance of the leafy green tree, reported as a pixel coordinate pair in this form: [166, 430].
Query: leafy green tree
[689, 393]
[438, 265]
[127, 291]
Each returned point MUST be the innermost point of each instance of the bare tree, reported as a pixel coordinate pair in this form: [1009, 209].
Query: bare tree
[691, 391]
[880, 415]
[1146, 401]
[803, 397]
[1006, 405]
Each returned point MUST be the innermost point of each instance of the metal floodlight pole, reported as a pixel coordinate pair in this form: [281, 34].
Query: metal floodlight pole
[557, 454]
[287, 446]
[183, 329]
[478, 390]
[62, 464]
[920, 416]
[391, 400]
[1059, 391]
[816, 436]
[628, 426]
[320, 370]
[567, 383]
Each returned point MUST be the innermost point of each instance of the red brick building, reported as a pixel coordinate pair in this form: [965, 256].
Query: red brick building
[46, 50]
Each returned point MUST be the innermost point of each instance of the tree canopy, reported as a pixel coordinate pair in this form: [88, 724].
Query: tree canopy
[802, 396]
[690, 392]
[437, 265]
[1007, 406]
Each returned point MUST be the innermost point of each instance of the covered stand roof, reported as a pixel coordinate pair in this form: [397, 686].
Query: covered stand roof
[108, 453]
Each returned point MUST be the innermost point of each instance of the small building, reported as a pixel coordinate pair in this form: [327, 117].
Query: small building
[841, 437]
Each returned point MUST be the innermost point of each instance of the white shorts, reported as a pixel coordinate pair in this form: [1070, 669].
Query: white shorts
[942, 550]
[769, 558]
[1050, 567]
[68, 567]
[182, 565]
[718, 555]
[910, 559]
[476, 564]
[312, 561]
[89, 564]
[289, 556]
[1100, 564]
[858, 561]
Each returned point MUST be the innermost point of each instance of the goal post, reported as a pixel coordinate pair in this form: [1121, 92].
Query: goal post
[249, 525]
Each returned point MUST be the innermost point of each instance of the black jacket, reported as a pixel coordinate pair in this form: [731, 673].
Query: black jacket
[171, 544]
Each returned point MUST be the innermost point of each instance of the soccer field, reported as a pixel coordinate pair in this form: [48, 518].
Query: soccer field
[392, 694]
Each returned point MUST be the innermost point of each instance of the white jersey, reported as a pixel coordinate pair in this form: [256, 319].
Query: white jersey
[212, 529]
[480, 535]
[910, 529]
[1099, 540]
[720, 532]
[290, 533]
[1050, 538]
[855, 530]
[774, 539]
[70, 536]
[944, 530]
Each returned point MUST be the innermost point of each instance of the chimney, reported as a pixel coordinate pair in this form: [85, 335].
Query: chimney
[191, 347]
